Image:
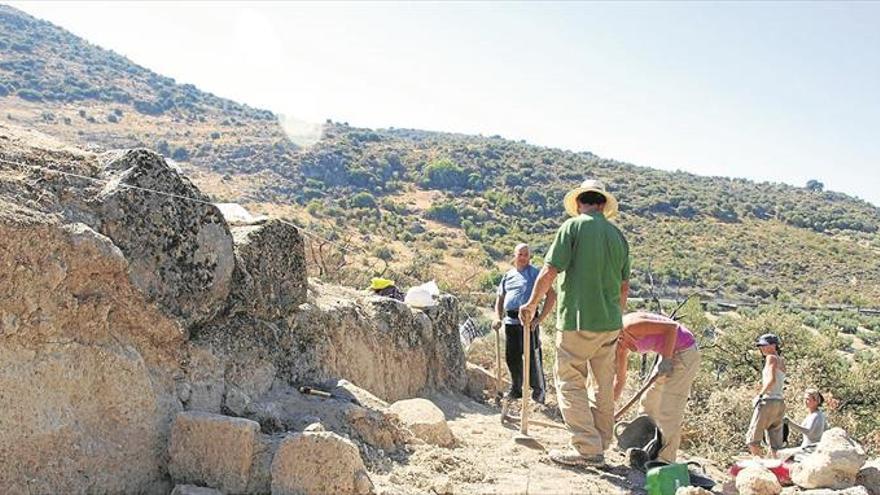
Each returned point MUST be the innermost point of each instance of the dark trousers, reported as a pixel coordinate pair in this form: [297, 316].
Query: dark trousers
[514, 358]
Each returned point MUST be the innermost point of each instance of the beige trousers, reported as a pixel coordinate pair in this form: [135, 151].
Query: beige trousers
[584, 387]
[665, 402]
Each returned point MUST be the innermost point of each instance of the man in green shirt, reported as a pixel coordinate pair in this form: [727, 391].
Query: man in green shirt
[591, 257]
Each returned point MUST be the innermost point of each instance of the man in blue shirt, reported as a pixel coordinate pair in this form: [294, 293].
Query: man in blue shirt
[514, 290]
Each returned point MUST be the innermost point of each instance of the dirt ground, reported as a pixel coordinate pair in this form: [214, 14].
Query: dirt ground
[486, 460]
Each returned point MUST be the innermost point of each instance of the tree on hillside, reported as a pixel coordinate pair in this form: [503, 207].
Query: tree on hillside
[444, 174]
[815, 186]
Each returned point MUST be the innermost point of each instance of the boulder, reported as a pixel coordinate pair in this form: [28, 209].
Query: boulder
[377, 343]
[269, 281]
[178, 244]
[835, 463]
[756, 480]
[318, 463]
[87, 380]
[425, 420]
[194, 490]
[214, 450]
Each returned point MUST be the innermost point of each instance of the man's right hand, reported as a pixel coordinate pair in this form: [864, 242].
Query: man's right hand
[496, 325]
[526, 314]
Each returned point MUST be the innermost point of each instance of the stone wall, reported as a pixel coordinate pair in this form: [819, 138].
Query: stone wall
[121, 308]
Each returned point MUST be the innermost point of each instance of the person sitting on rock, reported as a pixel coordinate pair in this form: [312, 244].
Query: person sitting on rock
[814, 425]
[769, 405]
[666, 398]
[386, 288]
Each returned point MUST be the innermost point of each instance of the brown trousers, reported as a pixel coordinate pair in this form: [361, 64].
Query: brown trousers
[584, 387]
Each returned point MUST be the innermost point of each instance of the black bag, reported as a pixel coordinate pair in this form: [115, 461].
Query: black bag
[640, 438]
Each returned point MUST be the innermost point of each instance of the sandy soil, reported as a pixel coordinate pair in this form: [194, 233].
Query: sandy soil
[488, 461]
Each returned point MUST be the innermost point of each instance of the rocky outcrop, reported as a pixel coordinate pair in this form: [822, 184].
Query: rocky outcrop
[120, 308]
[376, 343]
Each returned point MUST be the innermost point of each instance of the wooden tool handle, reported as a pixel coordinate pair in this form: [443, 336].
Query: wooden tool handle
[620, 412]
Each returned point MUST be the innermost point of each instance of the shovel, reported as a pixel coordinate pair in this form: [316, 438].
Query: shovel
[638, 395]
[499, 395]
[523, 437]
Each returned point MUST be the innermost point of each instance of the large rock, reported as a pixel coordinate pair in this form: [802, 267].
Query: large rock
[377, 343]
[425, 420]
[284, 408]
[318, 463]
[213, 450]
[270, 272]
[835, 463]
[756, 480]
[178, 244]
[87, 380]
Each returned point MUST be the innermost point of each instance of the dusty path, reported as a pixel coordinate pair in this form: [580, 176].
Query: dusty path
[488, 461]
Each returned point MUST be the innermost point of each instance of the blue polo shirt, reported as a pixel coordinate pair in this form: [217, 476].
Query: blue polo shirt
[516, 286]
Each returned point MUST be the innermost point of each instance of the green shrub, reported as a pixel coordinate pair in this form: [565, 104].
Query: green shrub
[444, 174]
[180, 154]
[445, 212]
[363, 200]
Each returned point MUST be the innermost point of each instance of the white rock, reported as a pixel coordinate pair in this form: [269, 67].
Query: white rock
[755, 480]
[835, 463]
[425, 420]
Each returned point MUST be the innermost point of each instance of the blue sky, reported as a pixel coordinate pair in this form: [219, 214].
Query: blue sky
[784, 92]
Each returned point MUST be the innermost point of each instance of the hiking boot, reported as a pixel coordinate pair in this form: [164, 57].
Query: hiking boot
[571, 457]
[636, 458]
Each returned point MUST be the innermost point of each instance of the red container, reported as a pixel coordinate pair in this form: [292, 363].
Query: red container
[782, 470]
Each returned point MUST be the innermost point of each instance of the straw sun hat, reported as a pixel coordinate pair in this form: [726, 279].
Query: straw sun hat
[594, 185]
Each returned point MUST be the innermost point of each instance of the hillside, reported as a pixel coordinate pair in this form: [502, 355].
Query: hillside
[445, 205]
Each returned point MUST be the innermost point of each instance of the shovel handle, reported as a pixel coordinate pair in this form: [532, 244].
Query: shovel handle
[526, 387]
[498, 392]
[620, 412]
